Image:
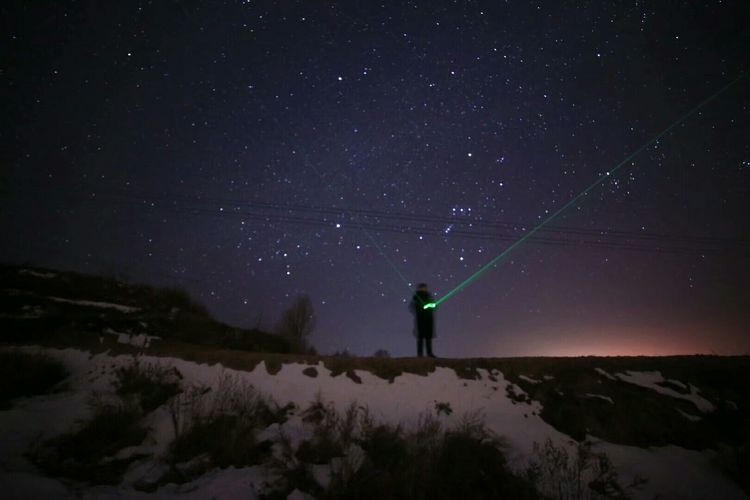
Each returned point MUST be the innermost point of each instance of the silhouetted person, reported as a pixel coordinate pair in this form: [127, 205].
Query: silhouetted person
[425, 326]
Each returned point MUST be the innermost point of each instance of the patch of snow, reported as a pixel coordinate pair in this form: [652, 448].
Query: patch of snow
[321, 473]
[650, 380]
[692, 418]
[299, 495]
[699, 478]
[677, 383]
[224, 484]
[137, 340]
[604, 373]
[599, 396]
[92, 303]
[548, 377]
[529, 379]
[37, 274]
[22, 484]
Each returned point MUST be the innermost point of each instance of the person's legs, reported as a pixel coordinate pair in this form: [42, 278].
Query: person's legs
[419, 346]
[428, 341]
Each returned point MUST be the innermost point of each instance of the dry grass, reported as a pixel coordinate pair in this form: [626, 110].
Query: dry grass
[86, 453]
[373, 460]
[217, 428]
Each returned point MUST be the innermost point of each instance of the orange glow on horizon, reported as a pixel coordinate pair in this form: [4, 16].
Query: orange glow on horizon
[622, 341]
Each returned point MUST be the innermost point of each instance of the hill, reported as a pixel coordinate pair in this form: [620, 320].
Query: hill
[65, 308]
[119, 390]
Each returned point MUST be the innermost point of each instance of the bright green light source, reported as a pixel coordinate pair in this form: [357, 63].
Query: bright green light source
[431, 305]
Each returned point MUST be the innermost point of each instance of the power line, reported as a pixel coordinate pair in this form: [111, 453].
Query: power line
[404, 222]
[602, 241]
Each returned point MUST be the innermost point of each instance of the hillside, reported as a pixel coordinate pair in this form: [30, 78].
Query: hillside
[139, 393]
[64, 308]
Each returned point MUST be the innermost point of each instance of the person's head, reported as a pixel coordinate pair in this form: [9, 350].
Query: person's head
[422, 287]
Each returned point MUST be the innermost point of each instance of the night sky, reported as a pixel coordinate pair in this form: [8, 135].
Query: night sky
[251, 151]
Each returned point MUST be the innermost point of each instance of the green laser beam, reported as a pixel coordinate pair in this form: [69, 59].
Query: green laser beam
[430, 305]
[374, 242]
[367, 233]
[585, 192]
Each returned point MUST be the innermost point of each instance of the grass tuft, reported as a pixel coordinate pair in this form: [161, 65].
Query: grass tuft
[87, 453]
[576, 473]
[150, 385]
[218, 428]
[372, 460]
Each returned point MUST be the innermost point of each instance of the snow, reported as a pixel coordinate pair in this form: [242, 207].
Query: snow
[299, 495]
[604, 373]
[677, 383]
[399, 402]
[92, 303]
[692, 418]
[599, 396]
[663, 465]
[22, 484]
[137, 340]
[37, 274]
[529, 379]
[651, 380]
[227, 484]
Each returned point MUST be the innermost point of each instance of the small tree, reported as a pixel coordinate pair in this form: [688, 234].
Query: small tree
[298, 322]
[381, 353]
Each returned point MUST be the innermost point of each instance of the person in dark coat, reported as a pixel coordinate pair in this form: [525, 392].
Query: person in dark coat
[425, 325]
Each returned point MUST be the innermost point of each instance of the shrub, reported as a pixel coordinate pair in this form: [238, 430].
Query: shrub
[297, 323]
[560, 474]
[87, 453]
[443, 407]
[220, 427]
[150, 385]
[734, 461]
[23, 374]
[371, 459]
[432, 462]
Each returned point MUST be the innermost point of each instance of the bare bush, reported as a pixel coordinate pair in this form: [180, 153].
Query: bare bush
[150, 385]
[370, 459]
[219, 427]
[561, 473]
[87, 453]
[298, 322]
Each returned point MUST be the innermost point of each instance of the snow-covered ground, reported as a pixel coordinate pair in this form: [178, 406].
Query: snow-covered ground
[672, 472]
[651, 380]
[94, 303]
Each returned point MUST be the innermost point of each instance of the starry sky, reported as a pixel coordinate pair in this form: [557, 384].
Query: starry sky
[252, 151]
